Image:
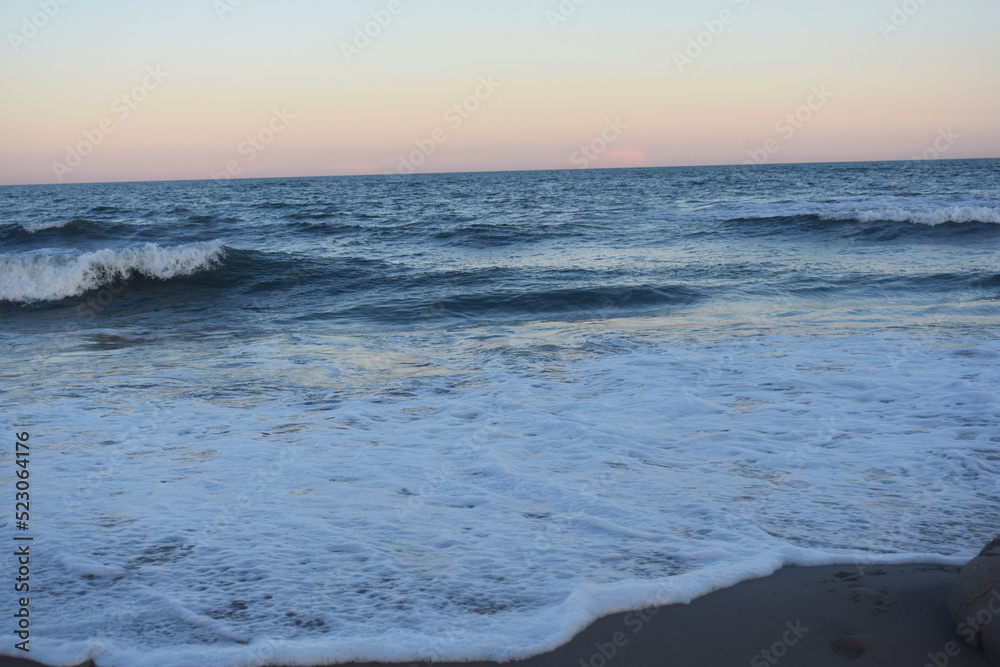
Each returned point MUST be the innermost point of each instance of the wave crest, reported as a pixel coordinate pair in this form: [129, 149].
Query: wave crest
[32, 227]
[927, 216]
[26, 278]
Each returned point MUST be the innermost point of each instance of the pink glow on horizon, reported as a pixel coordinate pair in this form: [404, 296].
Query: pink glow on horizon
[892, 95]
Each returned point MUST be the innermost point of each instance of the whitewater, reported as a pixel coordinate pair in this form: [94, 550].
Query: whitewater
[457, 417]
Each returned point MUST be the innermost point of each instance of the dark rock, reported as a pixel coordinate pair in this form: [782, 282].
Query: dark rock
[974, 601]
[991, 549]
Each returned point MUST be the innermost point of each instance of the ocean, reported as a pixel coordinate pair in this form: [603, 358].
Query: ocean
[461, 416]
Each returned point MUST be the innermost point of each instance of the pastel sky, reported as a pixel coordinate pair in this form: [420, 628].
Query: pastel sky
[126, 90]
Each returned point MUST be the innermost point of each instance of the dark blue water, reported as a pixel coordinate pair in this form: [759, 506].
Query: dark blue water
[445, 250]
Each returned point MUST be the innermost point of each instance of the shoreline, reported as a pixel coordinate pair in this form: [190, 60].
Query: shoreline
[815, 616]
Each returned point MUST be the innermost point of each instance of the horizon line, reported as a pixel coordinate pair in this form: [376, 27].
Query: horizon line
[223, 181]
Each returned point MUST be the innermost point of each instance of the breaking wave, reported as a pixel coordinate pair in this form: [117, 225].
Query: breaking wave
[927, 216]
[37, 276]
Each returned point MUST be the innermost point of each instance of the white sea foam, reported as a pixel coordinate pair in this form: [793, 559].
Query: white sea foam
[44, 276]
[925, 216]
[372, 498]
[33, 227]
[88, 568]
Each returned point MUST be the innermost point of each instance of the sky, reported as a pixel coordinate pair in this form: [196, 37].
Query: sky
[130, 90]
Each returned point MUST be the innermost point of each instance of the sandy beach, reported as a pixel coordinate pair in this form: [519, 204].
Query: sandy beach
[813, 617]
